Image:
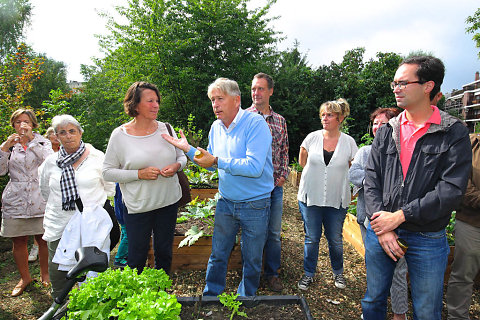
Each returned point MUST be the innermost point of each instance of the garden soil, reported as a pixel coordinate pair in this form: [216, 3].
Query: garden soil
[324, 299]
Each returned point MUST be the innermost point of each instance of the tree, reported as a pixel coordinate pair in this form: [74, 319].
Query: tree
[14, 17]
[54, 77]
[16, 80]
[181, 46]
[474, 28]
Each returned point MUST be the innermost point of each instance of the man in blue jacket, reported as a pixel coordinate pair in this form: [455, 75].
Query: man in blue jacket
[415, 176]
[240, 146]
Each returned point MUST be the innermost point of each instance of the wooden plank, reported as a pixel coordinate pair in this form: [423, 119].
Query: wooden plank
[352, 233]
[196, 256]
[203, 194]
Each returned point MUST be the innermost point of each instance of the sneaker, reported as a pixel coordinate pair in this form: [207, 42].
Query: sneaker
[275, 284]
[305, 282]
[33, 254]
[339, 281]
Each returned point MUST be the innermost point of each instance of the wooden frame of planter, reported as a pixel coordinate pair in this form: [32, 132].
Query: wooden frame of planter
[195, 257]
[250, 302]
[295, 177]
[352, 233]
[203, 193]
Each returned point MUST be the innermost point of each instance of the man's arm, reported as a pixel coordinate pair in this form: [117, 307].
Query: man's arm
[373, 183]
[450, 186]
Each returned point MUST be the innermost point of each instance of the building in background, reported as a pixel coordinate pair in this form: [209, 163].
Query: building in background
[465, 103]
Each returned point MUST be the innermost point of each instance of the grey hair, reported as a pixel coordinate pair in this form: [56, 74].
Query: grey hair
[64, 120]
[227, 86]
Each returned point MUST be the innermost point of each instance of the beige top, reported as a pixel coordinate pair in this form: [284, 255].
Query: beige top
[126, 154]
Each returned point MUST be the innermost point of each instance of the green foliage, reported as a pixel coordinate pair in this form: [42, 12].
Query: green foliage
[352, 207]
[57, 104]
[450, 229]
[473, 27]
[53, 77]
[17, 76]
[14, 17]
[295, 165]
[230, 301]
[181, 46]
[126, 295]
[200, 177]
[203, 211]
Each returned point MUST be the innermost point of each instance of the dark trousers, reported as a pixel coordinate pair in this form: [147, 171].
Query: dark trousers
[140, 226]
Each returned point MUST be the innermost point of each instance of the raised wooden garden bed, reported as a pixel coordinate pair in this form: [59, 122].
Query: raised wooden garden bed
[196, 256]
[259, 307]
[203, 194]
[351, 233]
[294, 177]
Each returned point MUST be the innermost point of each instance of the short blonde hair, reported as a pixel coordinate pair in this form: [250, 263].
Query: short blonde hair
[340, 107]
[49, 132]
[30, 113]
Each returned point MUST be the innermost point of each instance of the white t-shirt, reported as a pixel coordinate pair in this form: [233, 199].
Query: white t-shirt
[326, 186]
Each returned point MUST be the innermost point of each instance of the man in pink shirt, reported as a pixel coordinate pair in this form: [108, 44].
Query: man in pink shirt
[416, 175]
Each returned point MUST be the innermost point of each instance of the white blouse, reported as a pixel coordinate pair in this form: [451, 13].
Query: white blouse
[322, 185]
[92, 188]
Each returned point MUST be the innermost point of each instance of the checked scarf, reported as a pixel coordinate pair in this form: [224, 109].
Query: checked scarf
[68, 184]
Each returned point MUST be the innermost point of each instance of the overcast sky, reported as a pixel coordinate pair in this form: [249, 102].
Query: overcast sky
[65, 29]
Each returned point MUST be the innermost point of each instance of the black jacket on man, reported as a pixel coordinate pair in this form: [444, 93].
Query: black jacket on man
[436, 178]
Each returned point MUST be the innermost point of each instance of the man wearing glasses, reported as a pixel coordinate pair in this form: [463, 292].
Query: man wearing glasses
[415, 176]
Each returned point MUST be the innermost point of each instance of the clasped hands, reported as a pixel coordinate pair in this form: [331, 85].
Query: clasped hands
[383, 223]
[152, 173]
[206, 160]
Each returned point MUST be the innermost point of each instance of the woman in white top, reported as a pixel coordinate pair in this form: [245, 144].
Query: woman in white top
[23, 206]
[75, 171]
[324, 191]
[145, 165]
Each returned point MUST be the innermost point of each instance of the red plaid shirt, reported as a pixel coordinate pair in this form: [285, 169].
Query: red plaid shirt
[278, 128]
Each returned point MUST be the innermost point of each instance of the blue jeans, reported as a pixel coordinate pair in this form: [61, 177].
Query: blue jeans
[273, 247]
[426, 259]
[331, 219]
[252, 218]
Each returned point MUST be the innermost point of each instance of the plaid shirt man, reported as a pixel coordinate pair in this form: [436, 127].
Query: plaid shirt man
[278, 128]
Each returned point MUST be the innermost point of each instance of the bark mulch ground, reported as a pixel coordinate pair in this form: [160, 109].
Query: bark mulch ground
[324, 299]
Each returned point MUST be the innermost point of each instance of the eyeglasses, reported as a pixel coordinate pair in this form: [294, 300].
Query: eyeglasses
[403, 84]
[63, 133]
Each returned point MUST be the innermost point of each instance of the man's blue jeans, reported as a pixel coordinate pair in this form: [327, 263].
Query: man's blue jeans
[426, 259]
[252, 218]
[273, 246]
[331, 219]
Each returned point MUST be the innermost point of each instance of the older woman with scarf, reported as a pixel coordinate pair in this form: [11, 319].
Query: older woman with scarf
[23, 207]
[74, 173]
